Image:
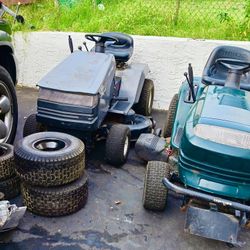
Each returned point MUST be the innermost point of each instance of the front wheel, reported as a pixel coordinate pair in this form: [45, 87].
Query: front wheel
[154, 192]
[118, 144]
[8, 107]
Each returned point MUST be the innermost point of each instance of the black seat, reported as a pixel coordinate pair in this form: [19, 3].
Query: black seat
[123, 49]
[215, 73]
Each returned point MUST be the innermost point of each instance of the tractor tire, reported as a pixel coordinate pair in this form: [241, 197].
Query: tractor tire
[145, 104]
[7, 89]
[49, 159]
[7, 164]
[10, 187]
[56, 201]
[117, 145]
[31, 126]
[154, 192]
[167, 131]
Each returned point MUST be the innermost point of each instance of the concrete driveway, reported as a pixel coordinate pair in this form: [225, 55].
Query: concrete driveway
[102, 224]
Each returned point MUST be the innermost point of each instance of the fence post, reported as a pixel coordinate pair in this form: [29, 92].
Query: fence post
[176, 15]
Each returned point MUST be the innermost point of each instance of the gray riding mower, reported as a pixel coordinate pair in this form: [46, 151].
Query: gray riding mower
[96, 95]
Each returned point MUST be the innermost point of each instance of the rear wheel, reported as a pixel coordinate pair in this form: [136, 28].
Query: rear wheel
[154, 192]
[167, 131]
[8, 107]
[145, 104]
[31, 126]
[118, 144]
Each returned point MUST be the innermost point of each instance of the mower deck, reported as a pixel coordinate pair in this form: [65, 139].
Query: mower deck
[103, 224]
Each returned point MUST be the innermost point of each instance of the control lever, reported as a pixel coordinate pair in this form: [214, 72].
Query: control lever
[190, 86]
[85, 45]
[71, 47]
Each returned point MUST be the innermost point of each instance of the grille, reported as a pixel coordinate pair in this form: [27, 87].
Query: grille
[213, 171]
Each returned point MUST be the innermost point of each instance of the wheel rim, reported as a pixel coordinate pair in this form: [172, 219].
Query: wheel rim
[49, 145]
[6, 110]
[125, 150]
[150, 99]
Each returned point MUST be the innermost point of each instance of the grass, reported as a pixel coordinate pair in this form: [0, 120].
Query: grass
[204, 19]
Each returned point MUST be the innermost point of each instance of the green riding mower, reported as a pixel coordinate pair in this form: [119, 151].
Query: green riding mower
[209, 125]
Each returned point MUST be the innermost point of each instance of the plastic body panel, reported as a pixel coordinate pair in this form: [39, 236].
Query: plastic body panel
[206, 165]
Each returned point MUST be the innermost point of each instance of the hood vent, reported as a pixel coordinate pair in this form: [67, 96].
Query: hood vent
[234, 102]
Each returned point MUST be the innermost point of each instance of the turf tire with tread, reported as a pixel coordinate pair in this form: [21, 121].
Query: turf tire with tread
[56, 201]
[154, 192]
[114, 150]
[54, 168]
[167, 131]
[142, 106]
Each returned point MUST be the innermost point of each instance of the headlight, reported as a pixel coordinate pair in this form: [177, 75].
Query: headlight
[226, 136]
[68, 98]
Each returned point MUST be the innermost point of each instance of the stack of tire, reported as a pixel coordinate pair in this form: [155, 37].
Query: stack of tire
[51, 167]
[9, 181]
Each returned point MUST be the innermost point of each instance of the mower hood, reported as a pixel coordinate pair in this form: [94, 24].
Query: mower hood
[224, 107]
[214, 153]
[81, 72]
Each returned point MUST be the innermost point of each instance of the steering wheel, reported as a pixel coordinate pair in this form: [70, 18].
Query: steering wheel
[234, 64]
[100, 38]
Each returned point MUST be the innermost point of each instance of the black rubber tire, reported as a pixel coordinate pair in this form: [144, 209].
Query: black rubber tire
[154, 192]
[115, 145]
[167, 131]
[10, 187]
[31, 126]
[6, 80]
[49, 168]
[144, 106]
[7, 164]
[56, 201]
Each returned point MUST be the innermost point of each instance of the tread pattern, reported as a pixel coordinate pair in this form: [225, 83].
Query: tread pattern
[10, 187]
[115, 144]
[7, 165]
[142, 106]
[52, 170]
[31, 126]
[167, 131]
[56, 201]
[154, 192]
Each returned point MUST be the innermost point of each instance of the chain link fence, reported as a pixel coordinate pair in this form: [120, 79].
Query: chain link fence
[208, 11]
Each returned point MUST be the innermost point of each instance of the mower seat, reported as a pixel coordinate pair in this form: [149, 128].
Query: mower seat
[123, 49]
[216, 74]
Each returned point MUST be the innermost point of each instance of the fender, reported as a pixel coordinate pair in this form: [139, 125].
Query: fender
[133, 78]
[7, 58]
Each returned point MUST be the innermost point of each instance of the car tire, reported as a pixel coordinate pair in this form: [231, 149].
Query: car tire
[31, 126]
[117, 145]
[154, 192]
[145, 104]
[167, 131]
[49, 159]
[7, 165]
[56, 201]
[10, 187]
[7, 89]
